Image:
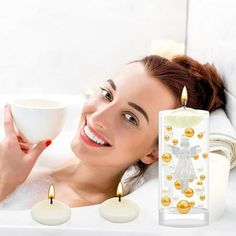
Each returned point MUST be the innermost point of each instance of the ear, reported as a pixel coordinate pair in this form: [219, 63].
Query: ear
[150, 157]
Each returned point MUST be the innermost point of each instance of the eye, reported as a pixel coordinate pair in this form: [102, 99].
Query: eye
[106, 94]
[131, 118]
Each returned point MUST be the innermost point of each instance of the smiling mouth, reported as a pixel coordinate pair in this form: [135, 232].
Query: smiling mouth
[92, 137]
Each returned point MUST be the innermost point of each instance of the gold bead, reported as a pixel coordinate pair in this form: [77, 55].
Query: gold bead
[177, 184]
[183, 206]
[169, 177]
[202, 197]
[205, 155]
[166, 157]
[188, 192]
[200, 135]
[192, 203]
[202, 177]
[165, 201]
[168, 128]
[189, 132]
[190, 180]
[199, 183]
[175, 141]
[166, 137]
[196, 156]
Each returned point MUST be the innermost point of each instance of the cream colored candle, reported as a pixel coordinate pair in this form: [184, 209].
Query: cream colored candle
[183, 166]
[51, 212]
[118, 209]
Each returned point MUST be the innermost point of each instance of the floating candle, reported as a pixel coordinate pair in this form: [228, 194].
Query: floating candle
[51, 212]
[118, 209]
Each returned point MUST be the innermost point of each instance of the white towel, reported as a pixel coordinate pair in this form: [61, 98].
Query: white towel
[222, 136]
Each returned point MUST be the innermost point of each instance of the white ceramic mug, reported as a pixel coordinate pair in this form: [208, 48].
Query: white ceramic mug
[38, 119]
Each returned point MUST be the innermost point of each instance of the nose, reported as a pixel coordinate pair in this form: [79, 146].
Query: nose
[104, 116]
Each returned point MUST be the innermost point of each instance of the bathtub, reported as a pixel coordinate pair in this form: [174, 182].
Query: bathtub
[86, 220]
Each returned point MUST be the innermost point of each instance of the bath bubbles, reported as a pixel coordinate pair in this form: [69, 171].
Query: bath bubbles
[27, 194]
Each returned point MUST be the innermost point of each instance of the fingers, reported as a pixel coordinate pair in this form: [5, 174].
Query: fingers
[24, 143]
[8, 122]
[34, 153]
[24, 147]
[21, 137]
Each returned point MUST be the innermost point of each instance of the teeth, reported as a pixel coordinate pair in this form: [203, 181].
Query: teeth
[93, 137]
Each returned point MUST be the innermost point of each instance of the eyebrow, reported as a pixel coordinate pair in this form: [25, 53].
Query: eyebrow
[140, 109]
[111, 82]
[134, 105]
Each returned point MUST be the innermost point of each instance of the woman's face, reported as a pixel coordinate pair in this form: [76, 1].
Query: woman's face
[119, 126]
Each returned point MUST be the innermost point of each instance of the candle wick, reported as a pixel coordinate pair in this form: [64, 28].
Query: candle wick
[184, 103]
[51, 201]
[119, 198]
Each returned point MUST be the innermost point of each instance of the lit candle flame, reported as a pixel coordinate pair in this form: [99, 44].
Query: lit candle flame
[120, 191]
[51, 193]
[184, 97]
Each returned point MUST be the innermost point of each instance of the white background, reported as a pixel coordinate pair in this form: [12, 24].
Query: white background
[70, 46]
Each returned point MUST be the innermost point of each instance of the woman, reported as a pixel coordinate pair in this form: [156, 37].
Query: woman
[118, 128]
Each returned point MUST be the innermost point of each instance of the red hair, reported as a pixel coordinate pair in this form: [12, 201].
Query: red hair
[204, 84]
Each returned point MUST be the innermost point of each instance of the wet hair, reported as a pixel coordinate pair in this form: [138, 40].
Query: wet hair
[204, 84]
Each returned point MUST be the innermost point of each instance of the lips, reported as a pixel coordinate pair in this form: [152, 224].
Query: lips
[92, 137]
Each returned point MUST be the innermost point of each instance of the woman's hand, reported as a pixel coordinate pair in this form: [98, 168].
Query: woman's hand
[17, 156]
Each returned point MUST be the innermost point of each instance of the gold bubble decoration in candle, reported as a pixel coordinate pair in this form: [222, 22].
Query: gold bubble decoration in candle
[183, 148]
[169, 177]
[202, 177]
[166, 157]
[188, 192]
[192, 203]
[167, 137]
[165, 201]
[200, 135]
[202, 197]
[169, 128]
[177, 184]
[183, 206]
[175, 141]
[189, 132]
[205, 155]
